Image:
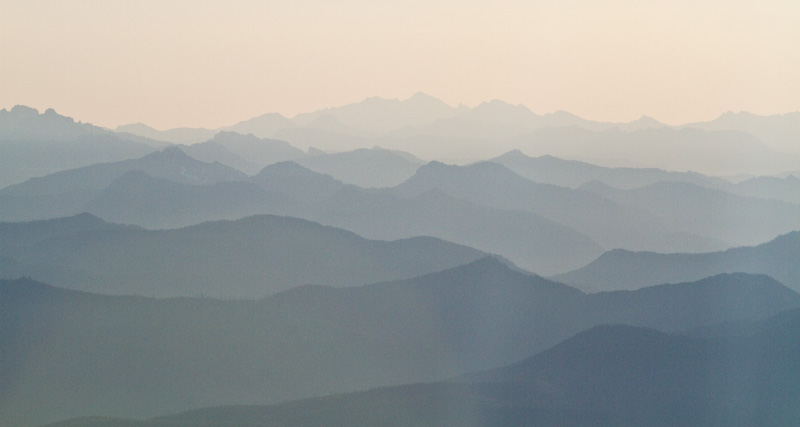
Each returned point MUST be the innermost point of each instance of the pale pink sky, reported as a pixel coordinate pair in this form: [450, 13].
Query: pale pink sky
[213, 63]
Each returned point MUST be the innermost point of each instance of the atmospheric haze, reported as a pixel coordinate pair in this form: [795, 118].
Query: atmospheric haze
[209, 64]
[471, 214]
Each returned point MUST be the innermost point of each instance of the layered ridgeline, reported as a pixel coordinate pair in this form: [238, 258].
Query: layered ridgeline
[495, 186]
[365, 167]
[719, 215]
[662, 217]
[251, 257]
[621, 269]
[545, 228]
[572, 173]
[529, 240]
[246, 153]
[548, 169]
[34, 144]
[605, 376]
[170, 189]
[66, 193]
[431, 129]
[141, 357]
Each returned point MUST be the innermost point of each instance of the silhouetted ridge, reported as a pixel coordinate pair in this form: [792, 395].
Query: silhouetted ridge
[297, 181]
[787, 242]
[81, 220]
[252, 257]
[623, 269]
[23, 111]
[23, 289]
[477, 315]
[170, 154]
[608, 375]
[588, 354]
[488, 270]
[289, 169]
[711, 300]
[455, 179]
[14, 234]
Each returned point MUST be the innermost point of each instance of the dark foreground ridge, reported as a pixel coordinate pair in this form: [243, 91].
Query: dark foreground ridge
[142, 357]
[606, 376]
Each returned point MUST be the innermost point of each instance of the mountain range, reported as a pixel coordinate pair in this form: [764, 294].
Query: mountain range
[606, 376]
[716, 214]
[548, 169]
[605, 221]
[428, 128]
[542, 227]
[313, 340]
[516, 269]
[621, 269]
[269, 253]
[36, 144]
[432, 129]
[65, 193]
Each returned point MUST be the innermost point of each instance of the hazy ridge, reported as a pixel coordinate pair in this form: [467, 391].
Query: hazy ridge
[382, 263]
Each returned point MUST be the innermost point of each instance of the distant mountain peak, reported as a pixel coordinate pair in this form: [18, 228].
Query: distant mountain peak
[513, 154]
[295, 171]
[489, 262]
[487, 268]
[264, 126]
[172, 152]
[23, 110]
[86, 217]
[645, 119]
[287, 166]
[422, 95]
[432, 167]
[424, 98]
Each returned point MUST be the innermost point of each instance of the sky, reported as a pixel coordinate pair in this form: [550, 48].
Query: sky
[200, 63]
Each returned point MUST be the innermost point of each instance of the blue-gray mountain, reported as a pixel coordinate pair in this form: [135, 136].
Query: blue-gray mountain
[718, 215]
[367, 168]
[167, 199]
[547, 169]
[251, 257]
[431, 129]
[425, 328]
[607, 376]
[34, 144]
[621, 269]
[607, 222]
[66, 193]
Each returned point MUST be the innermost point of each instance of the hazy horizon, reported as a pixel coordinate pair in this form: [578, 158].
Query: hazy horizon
[459, 220]
[292, 116]
[206, 64]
